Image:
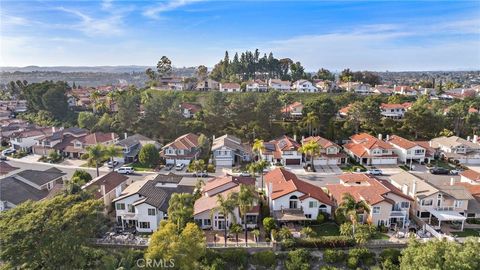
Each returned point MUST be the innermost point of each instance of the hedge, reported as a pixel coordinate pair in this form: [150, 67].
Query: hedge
[264, 258]
[325, 242]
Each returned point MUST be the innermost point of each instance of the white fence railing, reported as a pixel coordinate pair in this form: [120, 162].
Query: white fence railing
[240, 245]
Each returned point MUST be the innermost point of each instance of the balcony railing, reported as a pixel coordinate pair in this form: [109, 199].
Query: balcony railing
[398, 213]
[444, 208]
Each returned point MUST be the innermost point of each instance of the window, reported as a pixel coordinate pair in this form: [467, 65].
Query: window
[207, 222]
[419, 151]
[376, 210]
[405, 205]
[309, 216]
[313, 204]
[458, 204]
[322, 208]
[293, 201]
[251, 219]
[131, 209]
[144, 225]
[152, 211]
[428, 202]
[120, 206]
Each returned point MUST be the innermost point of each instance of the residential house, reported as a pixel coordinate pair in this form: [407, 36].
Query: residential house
[12, 125]
[330, 152]
[143, 204]
[78, 146]
[189, 109]
[183, 150]
[457, 150]
[107, 187]
[387, 204]
[283, 150]
[279, 85]
[177, 84]
[132, 145]
[361, 88]
[229, 87]
[229, 150]
[404, 90]
[433, 204]
[256, 86]
[408, 151]
[473, 210]
[383, 90]
[206, 213]
[294, 110]
[369, 150]
[207, 85]
[343, 112]
[24, 140]
[394, 111]
[324, 86]
[470, 176]
[29, 185]
[293, 199]
[57, 141]
[304, 86]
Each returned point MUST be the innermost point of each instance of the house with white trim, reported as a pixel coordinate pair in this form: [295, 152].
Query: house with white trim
[394, 111]
[330, 152]
[183, 150]
[294, 110]
[257, 86]
[283, 150]
[279, 85]
[408, 151]
[229, 87]
[229, 150]
[304, 86]
[369, 150]
[457, 150]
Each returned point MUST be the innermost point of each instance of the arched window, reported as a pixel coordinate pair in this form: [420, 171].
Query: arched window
[322, 208]
[293, 201]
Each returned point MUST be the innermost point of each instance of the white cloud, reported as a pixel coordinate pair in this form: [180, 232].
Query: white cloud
[110, 26]
[107, 4]
[154, 11]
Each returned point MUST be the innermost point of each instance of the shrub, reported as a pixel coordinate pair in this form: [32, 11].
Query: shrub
[298, 260]
[325, 242]
[352, 262]
[82, 175]
[328, 267]
[84, 156]
[321, 217]
[308, 232]
[210, 168]
[391, 254]
[268, 224]
[333, 256]
[149, 155]
[362, 255]
[264, 258]
[54, 157]
[284, 234]
[235, 257]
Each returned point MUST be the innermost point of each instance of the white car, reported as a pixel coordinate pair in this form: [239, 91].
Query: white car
[8, 151]
[125, 170]
[179, 166]
[374, 172]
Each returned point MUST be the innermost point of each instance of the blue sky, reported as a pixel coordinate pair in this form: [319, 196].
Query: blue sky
[373, 35]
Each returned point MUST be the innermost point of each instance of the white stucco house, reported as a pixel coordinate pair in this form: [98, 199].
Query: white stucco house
[229, 87]
[457, 150]
[292, 199]
[183, 150]
[256, 86]
[408, 151]
[283, 150]
[229, 150]
[304, 86]
[369, 150]
[279, 85]
[330, 152]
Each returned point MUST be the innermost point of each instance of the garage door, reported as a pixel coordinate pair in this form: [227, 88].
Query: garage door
[333, 161]
[320, 162]
[379, 161]
[292, 161]
[223, 162]
[473, 161]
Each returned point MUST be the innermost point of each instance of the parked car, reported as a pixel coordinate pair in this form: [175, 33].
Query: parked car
[111, 164]
[3, 158]
[456, 171]
[169, 167]
[179, 166]
[374, 172]
[125, 170]
[439, 170]
[245, 174]
[200, 174]
[8, 151]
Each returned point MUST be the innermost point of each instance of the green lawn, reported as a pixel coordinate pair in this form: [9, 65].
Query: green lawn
[379, 235]
[467, 233]
[326, 229]
[443, 164]
[139, 167]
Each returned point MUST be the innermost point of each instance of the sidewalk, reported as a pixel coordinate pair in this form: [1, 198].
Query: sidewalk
[33, 159]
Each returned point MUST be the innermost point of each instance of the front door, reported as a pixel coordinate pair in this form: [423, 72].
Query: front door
[221, 224]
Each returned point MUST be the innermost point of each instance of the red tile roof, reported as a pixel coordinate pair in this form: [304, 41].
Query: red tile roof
[220, 181]
[185, 142]
[284, 182]
[230, 85]
[472, 175]
[324, 143]
[98, 138]
[402, 142]
[291, 107]
[193, 108]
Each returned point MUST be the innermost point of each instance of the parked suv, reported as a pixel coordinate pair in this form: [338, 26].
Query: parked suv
[439, 170]
[179, 166]
[8, 151]
[200, 174]
[375, 172]
[125, 170]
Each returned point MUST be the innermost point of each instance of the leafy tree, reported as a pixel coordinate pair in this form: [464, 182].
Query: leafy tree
[349, 208]
[105, 124]
[268, 224]
[246, 199]
[48, 96]
[112, 151]
[236, 229]
[164, 67]
[202, 73]
[310, 149]
[226, 206]
[258, 147]
[50, 234]
[325, 74]
[87, 120]
[96, 155]
[180, 209]
[127, 115]
[298, 260]
[149, 155]
[82, 175]
[183, 249]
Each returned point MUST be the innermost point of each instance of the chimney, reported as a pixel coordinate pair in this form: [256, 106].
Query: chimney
[303, 138]
[102, 189]
[468, 138]
[379, 136]
[452, 181]
[213, 138]
[475, 138]
[125, 135]
[414, 188]
[270, 188]
[295, 137]
[388, 137]
[53, 129]
[113, 136]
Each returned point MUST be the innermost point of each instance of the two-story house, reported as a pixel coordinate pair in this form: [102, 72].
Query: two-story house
[387, 204]
[292, 199]
[256, 86]
[24, 140]
[457, 150]
[132, 145]
[143, 204]
[206, 213]
[279, 85]
[434, 204]
[229, 87]
[394, 111]
[304, 86]
[369, 150]
[408, 151]
[188, 110]
[58, 140]
[330, 152]
[107, 187]
[207, 85]
[183, 150]
[229, 150]
[79, 146]
[404, 90]
[294, 110]
[30, 185]
[283, 150]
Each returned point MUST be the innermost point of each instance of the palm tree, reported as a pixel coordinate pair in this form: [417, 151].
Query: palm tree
[96, 154]
[349, 207]
[180, 209]
[256, 234]
[312, 149]
[226, 206]
[111, 152]
[236, 229]
[258, 147]
[261, 165]
[145, 97]
[310, 121]
[246, 200]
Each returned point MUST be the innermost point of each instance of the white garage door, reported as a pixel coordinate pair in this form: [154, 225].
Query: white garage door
[319, 162]
[184, 161]
[473, 161]
[223, 162]
[384, 161]
[333, 161]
